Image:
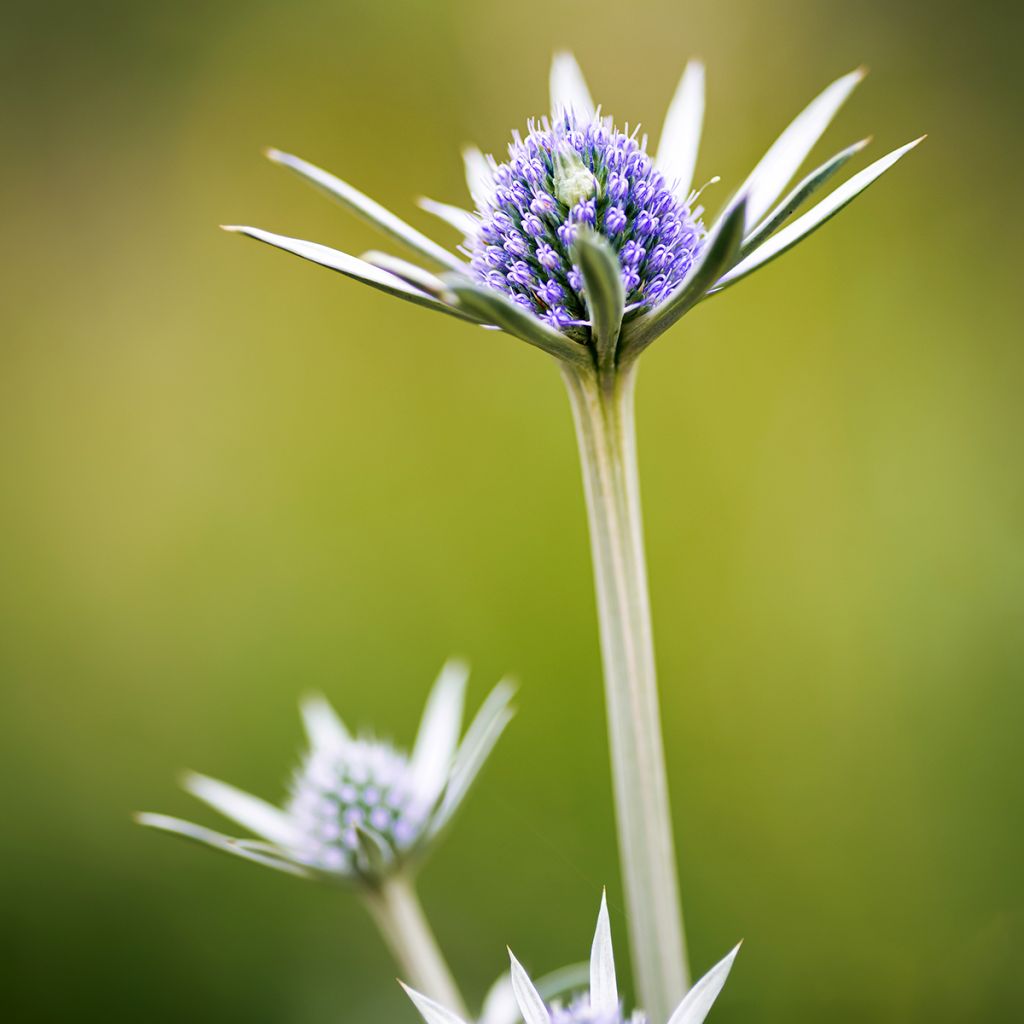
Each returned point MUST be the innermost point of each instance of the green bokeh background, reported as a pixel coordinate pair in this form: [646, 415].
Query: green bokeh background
[229, 477]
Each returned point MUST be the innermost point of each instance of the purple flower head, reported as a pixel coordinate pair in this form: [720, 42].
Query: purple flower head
[574, 186]
[362, 784]
[568, 175]
[358, 808]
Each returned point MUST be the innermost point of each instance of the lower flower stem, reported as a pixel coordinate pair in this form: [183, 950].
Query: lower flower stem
[399, 916]
[602, 405]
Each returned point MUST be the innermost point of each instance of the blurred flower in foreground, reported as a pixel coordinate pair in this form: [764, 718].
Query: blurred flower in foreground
[582, 242]
[359, 809]
[362, 811]
[522, 999]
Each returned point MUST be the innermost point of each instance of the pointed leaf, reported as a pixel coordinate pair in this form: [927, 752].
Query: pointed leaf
[323, 726]
[479, 175]
[247, 810]
[439, 729]
[604, 992]
[788, 152]
[474, 750]
[412, 274]
[462, 220]
[680, 136]
[719, 254]
[604, 292]
[217, 841]
[367, 208]
[492, 307]
[699, 1000]
[350, 266]
[569, 88]
[500, 1005]
[814, 218]
[431, 1012]
[376, 854]
[798, 197]
[531, 1006]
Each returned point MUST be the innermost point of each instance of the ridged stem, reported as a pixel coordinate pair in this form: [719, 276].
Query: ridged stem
[602, 406]
[396, 909]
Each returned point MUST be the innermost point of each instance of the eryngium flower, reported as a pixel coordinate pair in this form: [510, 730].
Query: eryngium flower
[568, 175]
[359, 807]
[600, 1003]
[584, 243]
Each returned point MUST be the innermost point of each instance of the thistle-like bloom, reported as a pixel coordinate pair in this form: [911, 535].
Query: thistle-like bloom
[598, 1005]
[360, 809]
[582, 242]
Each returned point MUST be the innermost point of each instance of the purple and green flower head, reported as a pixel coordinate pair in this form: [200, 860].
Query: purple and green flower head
[571, 174]
[359, 808]
[585, 241]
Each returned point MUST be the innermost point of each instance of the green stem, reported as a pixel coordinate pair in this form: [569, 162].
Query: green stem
[602, 407]
[397, 911]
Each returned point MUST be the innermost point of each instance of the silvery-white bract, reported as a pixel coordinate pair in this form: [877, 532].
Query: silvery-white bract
[359, 807]
[520, 999]
[583, 243]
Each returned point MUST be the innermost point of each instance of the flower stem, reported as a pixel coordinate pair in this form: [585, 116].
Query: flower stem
[397, 911]
[602, 405]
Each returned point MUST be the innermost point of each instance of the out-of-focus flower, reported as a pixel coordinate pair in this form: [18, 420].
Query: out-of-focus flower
[583, 243]
[360, 809]
[598, 1005]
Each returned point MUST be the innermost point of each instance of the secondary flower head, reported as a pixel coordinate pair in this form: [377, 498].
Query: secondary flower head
[599, 1004]
[583, 241]
[359, 807]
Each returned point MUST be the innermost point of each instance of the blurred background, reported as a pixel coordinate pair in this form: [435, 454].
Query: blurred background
[230, 477]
